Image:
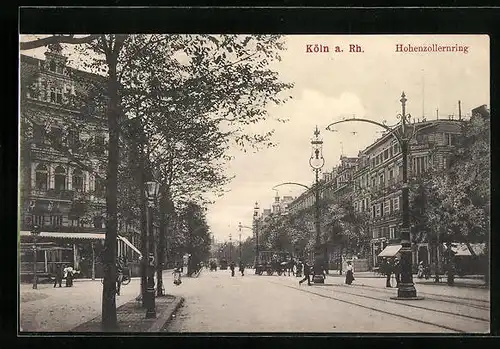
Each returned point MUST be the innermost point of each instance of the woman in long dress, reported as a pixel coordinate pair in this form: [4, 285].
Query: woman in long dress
[349, 275]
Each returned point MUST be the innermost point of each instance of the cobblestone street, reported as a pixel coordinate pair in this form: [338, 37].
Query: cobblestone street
[216, 302]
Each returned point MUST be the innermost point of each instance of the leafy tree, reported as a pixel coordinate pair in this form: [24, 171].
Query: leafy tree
[196, 234]
[452, 204]
[225, 78]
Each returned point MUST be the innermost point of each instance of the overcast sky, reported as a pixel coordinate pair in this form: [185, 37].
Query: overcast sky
[329, 86]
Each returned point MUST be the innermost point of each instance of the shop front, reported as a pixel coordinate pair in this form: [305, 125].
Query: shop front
[81, 250]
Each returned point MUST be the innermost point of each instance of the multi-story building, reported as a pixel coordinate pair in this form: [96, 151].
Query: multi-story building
[62, 189]
[373, 181]
[378, 180]
[280, 205]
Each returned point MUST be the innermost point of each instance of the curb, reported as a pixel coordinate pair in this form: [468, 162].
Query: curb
[166, 316]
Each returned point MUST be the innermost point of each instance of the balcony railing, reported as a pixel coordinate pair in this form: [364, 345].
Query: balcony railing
[54, 194]
[90, 196]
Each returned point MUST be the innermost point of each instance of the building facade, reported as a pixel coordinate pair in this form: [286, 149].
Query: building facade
[63, 166]
[380, 185]
[373, 180]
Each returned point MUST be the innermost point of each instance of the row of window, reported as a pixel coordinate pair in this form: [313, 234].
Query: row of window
[42, 91]
[57, 221]
[61, 180]
[387, 232]
[55, 137]
[385, 154]
[385, 208]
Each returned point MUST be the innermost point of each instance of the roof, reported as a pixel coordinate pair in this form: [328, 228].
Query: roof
[35, 61]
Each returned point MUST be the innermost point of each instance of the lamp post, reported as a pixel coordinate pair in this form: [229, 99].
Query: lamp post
[240, 247]
[230, 247]
[317, 161]
[256, 227]
[152, 189]
[403, 134]
[240, 226]
[35, 231]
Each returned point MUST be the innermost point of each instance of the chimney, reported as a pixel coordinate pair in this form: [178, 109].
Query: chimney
[459, 111]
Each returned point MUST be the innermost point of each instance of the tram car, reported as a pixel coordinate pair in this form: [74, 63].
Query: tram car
[271, 262]
[223, 264]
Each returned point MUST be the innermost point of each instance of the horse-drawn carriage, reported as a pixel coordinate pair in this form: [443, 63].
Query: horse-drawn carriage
[223, 264]
[213, 264]
[272, 262]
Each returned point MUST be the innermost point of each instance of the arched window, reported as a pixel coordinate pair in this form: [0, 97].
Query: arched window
[60, 178]
[52, 66]
[77, 180]
[41, 177]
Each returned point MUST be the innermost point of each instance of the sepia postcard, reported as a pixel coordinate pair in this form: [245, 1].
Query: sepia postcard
[244, 183]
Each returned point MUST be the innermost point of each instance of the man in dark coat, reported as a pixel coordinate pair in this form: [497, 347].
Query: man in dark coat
[58, 275]
[397, 271]
[388, 269]
[232, 266]
[242, 268]
[307, 274]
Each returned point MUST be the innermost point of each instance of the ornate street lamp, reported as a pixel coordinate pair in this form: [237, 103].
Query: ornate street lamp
[403, 134]
[35, 231]
[240, 247]
[256, 227]
[317, 161]
[240, 226]
[152, 190]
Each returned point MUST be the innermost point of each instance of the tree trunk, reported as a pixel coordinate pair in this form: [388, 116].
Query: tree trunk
[113, 114]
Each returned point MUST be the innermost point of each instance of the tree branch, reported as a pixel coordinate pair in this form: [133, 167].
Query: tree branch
[54, 39]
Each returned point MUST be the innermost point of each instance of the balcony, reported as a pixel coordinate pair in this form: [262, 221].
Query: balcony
[90, 196]
[67, 195]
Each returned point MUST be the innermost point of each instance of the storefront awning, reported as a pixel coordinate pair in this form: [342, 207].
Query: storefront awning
[390, 251]
[461, 249]
[67, 235]
[129, 244]
[80, 235]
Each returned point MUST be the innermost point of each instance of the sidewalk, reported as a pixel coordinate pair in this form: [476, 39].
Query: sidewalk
[474, 281]
[131, 317]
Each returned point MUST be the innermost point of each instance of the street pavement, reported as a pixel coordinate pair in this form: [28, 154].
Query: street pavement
[217, 302]
[50, 309]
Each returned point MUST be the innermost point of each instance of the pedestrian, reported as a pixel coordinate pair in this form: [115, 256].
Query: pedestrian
[388, 269]
[307, 274]
[68, 273]
[232, 266]
[58, 275]
[242, 268]
[119, 274]
[420, 272]
[177, 274]
[299, 268]
[397, 271]
[349, 275]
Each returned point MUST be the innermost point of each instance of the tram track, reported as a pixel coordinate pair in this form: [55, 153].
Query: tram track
[395, 303]
[455, 300]
[419, 307]
[467, 302]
